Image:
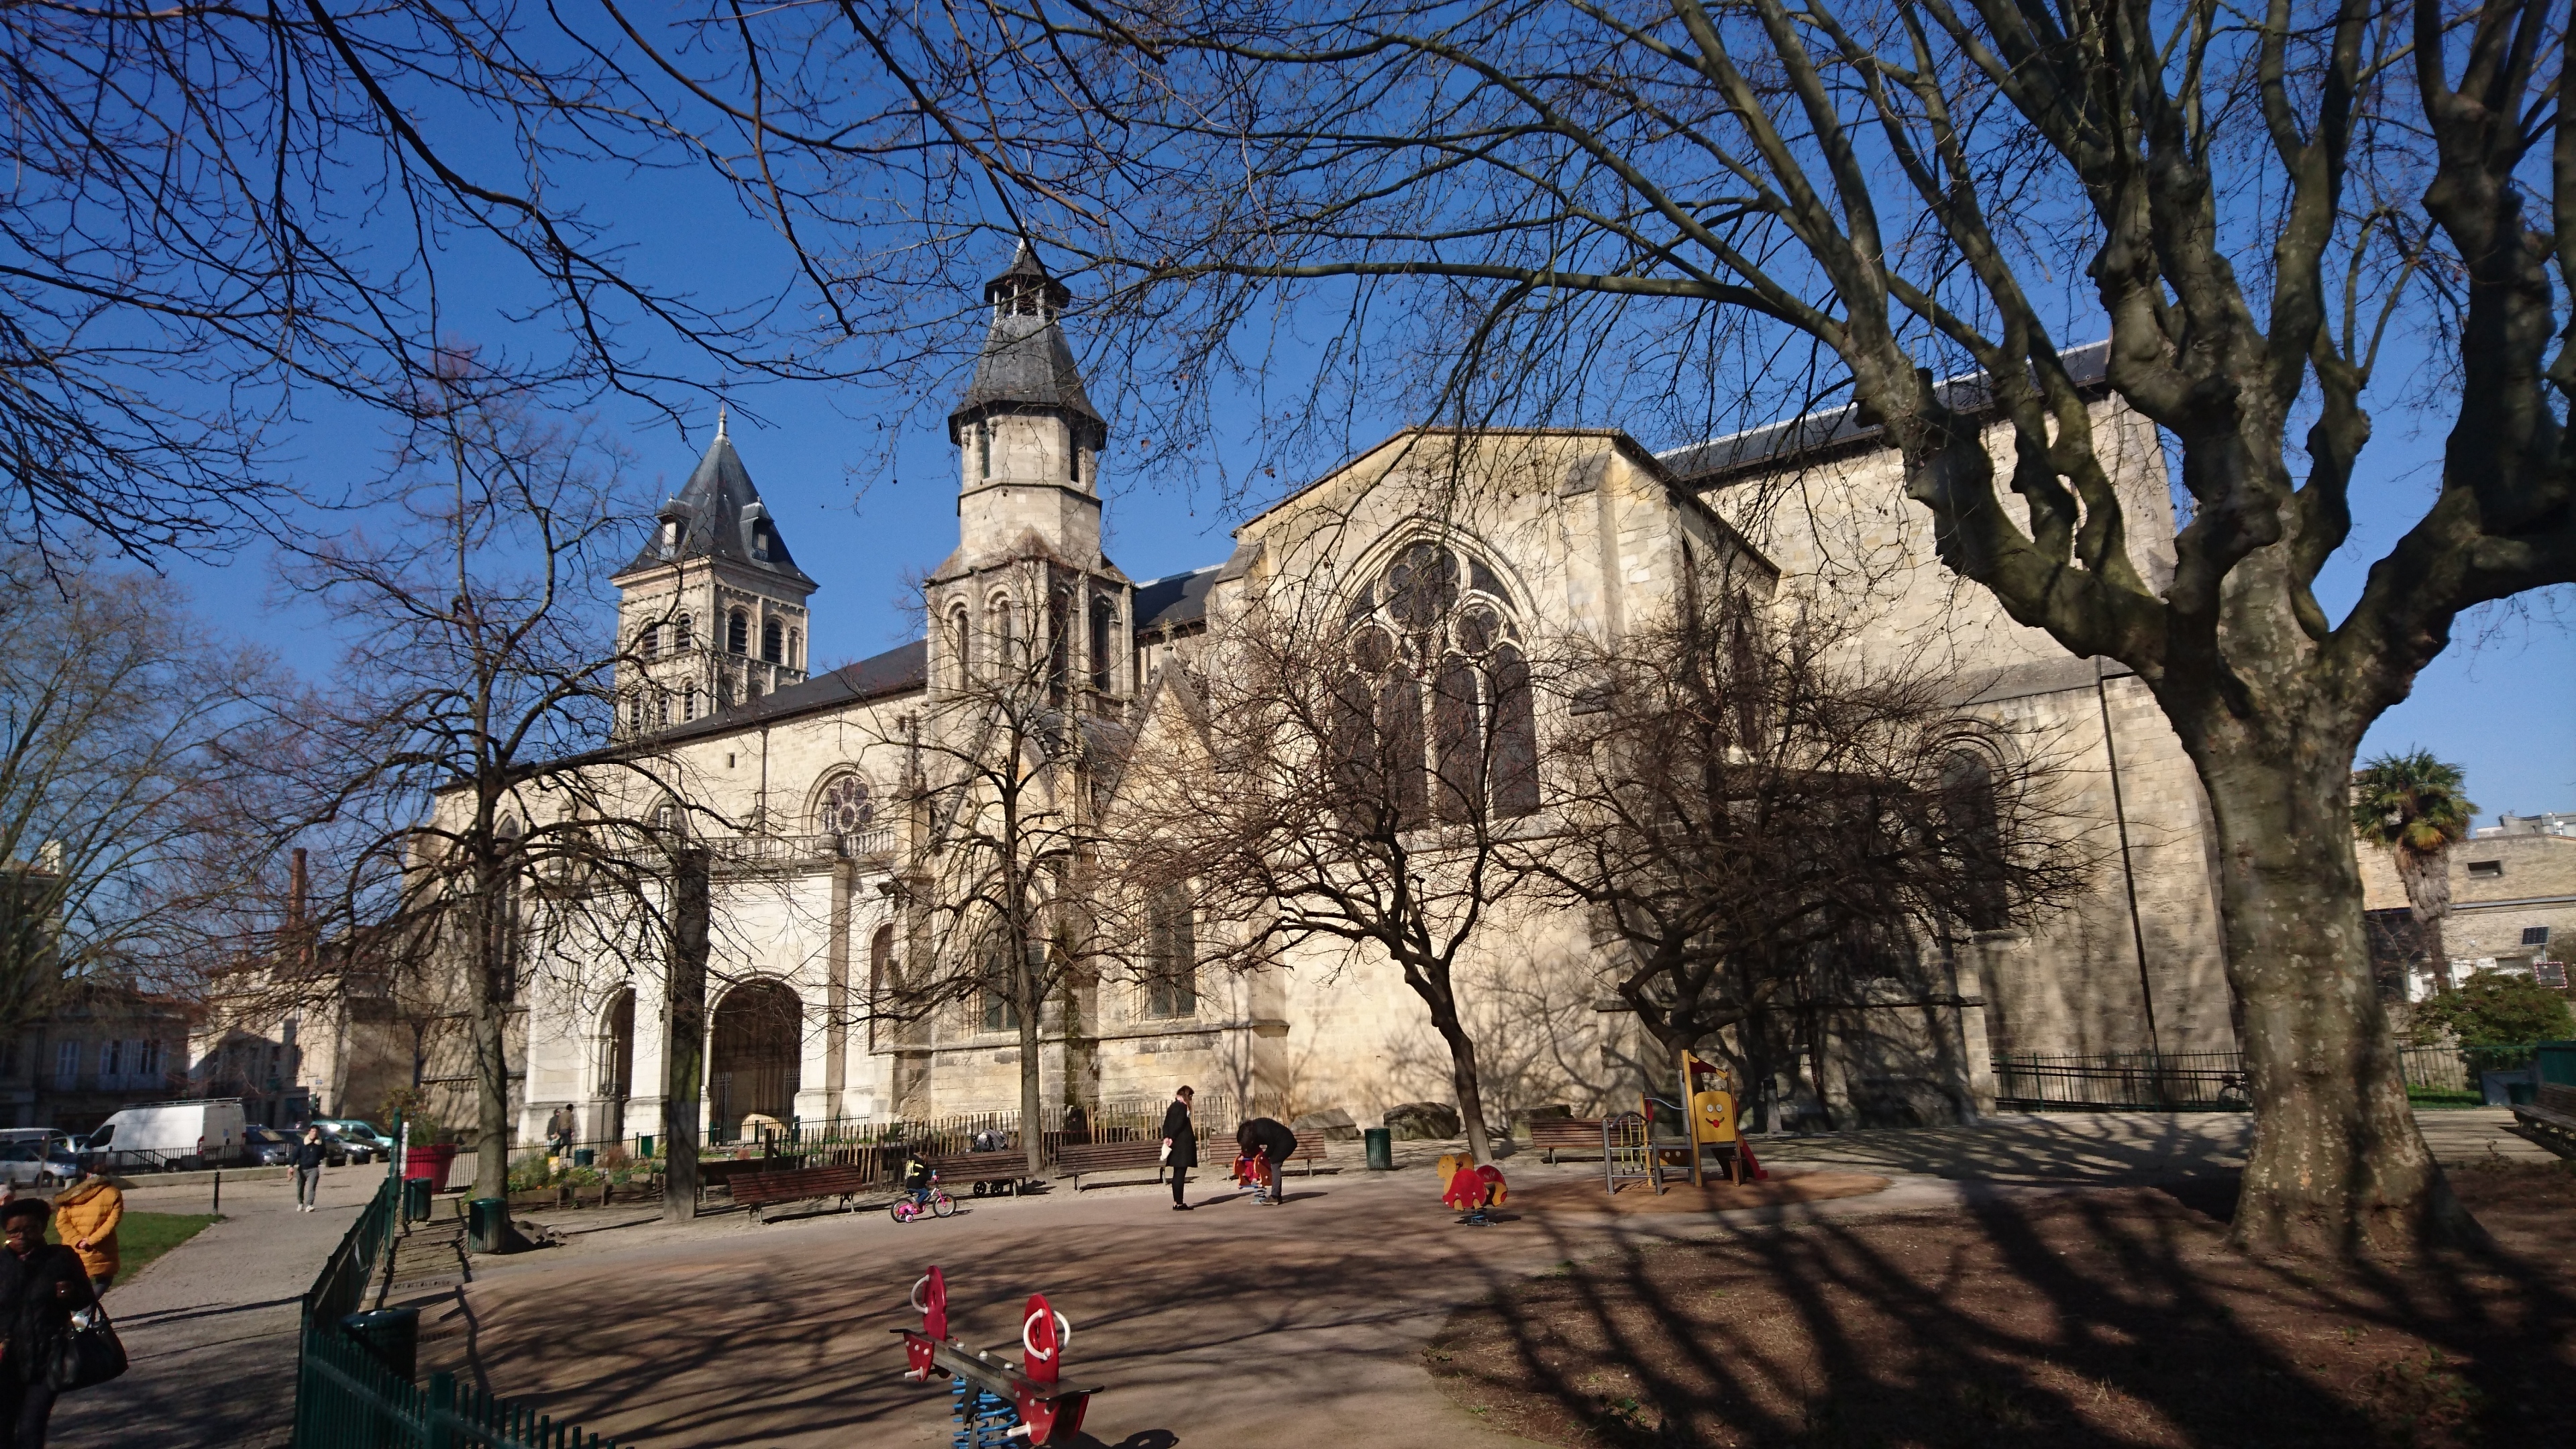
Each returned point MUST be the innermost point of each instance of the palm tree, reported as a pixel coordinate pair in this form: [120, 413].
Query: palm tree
[2414, 805]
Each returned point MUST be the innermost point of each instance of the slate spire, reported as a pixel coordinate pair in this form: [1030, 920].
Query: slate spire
[1027, 365]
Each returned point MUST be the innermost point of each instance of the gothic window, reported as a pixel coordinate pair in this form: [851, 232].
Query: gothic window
[1973, 825]
[683, 632]
[999, 627]
[1104, 623]
[738, 632]
[773, 641]
[1172, 985]
[846, 808]
[1437, 719]
[1000, 1006]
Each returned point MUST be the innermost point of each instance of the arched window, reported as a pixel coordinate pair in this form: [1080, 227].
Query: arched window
[1172, 988]
[684, 631]
[738, 632]
[617, 1046]
[689, 704]
[880, 979]
[773, 641]
[635, 711]
[1104, 626]
[846, 808]
[649, 642]
[1972, 827]
[661, 707]
[796, 648]
[1438, 718]
[1059, 643]
[1003, 630]
[961, 662]
[983, 449]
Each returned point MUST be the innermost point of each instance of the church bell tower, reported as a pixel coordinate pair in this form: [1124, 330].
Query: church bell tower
[1028, 587]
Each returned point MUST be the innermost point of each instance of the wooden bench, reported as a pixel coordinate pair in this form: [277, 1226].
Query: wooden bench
[757, 1190]
[956, 1169]
[1310, 1150]
[2553, 1117]
[1076, 1160]
[1552, 1135]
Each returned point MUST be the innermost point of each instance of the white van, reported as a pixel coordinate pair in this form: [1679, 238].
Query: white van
[168, 1136]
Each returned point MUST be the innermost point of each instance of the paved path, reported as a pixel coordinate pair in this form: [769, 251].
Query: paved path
[1231, 1325]
[210, 1325]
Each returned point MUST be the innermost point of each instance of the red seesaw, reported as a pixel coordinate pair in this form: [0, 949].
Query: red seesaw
[998, 1402]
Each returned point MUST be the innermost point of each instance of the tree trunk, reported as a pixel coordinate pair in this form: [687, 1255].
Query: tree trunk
[684, 1041]
[1462, 1080]
[486, 961]
[1032, 1086]
[2337, 1165]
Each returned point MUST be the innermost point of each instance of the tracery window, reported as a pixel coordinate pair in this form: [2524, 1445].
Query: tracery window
[1437, 716]
[846, 808]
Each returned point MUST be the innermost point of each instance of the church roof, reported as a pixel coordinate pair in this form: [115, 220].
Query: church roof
[900, 670]
[1174, 599]
[718, 510]
[1026, 360]
[1834, 428]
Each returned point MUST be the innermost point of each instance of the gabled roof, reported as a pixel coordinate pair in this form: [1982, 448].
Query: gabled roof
[1174, 599]
[1026, 360]
[716, 510]
[1833, 429]
[900, 670]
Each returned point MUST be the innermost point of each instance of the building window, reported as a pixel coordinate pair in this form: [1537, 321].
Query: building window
[147, 1061]
[1104, 624]
[683, 632]
[2535, 935]
[1001, 1008]
[846, 808]
[111, 1060]
[1172, 982]
[649, 643]
[983, 449]
[796, 648]
[2486, 870]
[661, 707]
[961, 632]
[1438, 715]
[689, 703]
[635, 711]
[773, 641]
[66, 1063]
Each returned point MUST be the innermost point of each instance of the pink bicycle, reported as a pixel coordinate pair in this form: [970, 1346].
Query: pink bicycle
[928, 1202]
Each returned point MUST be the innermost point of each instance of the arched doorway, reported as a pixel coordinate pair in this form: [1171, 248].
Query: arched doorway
[753, 1065]
[616, 1063]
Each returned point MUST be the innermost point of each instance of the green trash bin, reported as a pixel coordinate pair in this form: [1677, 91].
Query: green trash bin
[392, 1335]
[1381, 1148]
[487, 1221]
[415, 1191]
[583, 1157]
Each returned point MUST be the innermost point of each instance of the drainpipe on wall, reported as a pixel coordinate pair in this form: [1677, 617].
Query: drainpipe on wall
[2128, 871]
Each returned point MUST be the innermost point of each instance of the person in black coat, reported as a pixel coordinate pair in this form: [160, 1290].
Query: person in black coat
[1180, 1145]
[1271, 1138]
[41, 1285]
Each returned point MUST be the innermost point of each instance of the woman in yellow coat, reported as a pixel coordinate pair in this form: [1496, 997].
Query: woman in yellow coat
[85, 1218]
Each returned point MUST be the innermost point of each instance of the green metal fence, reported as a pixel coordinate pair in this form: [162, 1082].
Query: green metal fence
[347, 1398]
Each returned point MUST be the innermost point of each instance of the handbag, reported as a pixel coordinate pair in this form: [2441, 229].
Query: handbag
[90, 1355]
[1166, 1157]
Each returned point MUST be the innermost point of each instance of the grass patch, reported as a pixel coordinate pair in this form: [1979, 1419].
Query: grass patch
[142, 1237]
[2442, 1097]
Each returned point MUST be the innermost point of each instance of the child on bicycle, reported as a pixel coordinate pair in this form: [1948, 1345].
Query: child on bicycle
[917, 1178]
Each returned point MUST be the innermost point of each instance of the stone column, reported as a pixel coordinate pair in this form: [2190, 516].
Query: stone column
[1977, 965]
[836, 994]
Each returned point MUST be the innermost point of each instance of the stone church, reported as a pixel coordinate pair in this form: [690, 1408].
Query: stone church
[792, 782]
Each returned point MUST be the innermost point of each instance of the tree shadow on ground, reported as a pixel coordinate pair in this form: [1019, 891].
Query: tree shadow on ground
[2100, 1316]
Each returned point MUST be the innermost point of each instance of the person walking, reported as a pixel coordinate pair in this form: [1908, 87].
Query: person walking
[559, 1131]
[1275, 1143]
[308, 1170]
[1180, 1145]
[86, 1217]
[41, 1285]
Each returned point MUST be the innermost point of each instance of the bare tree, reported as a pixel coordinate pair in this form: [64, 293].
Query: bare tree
[1011, 767]
[1348, 790]
[132, 768]
[474, 830]
[1741, 799]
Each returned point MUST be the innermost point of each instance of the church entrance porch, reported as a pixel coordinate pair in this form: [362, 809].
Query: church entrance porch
[753, 1062]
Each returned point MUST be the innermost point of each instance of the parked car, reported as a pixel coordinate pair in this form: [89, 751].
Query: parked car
[267, 1146]
[167, 1135]
[348, 1142]
[30, 1164]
